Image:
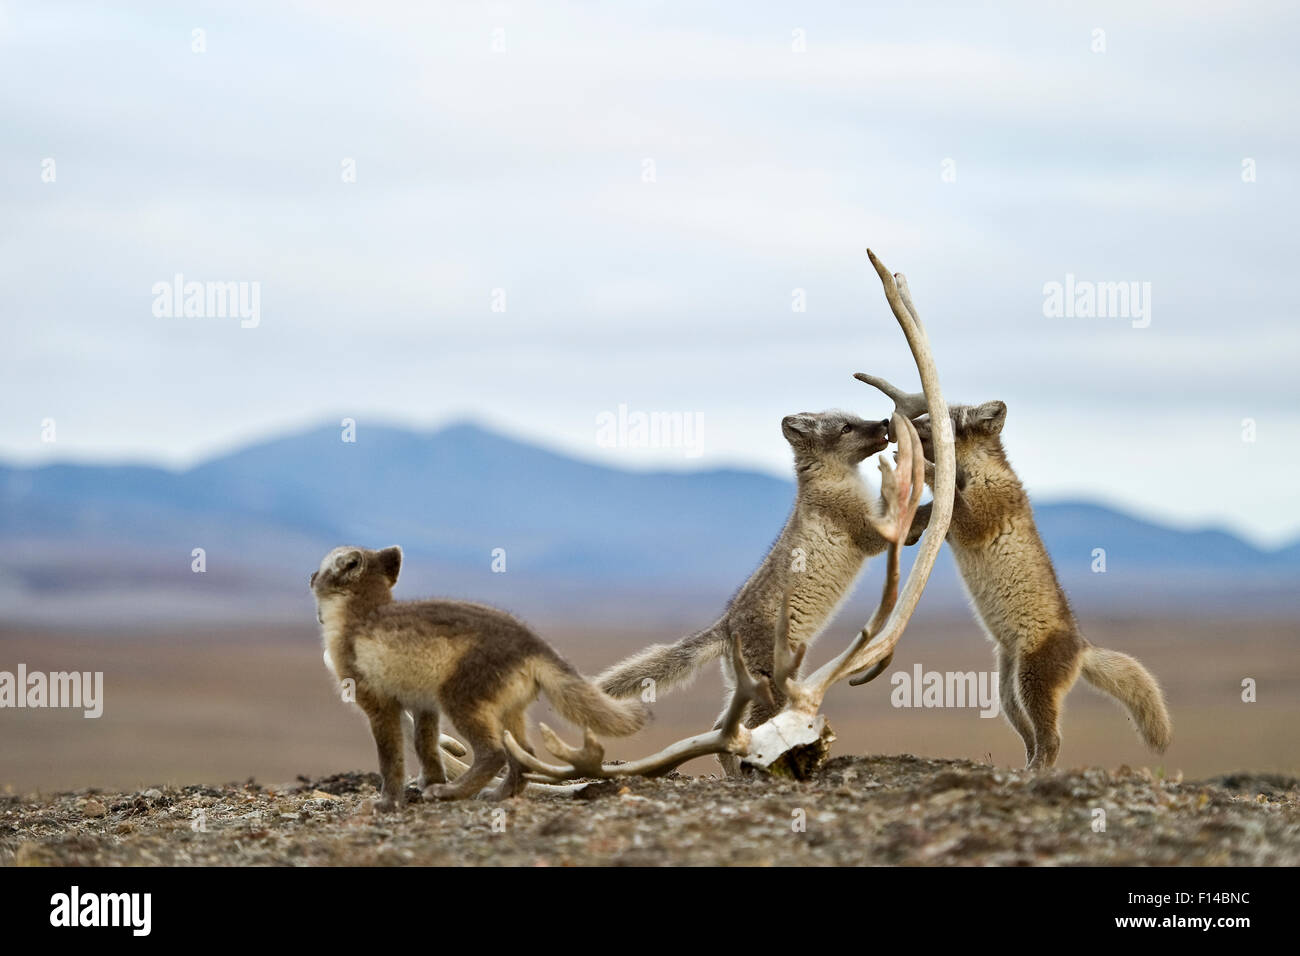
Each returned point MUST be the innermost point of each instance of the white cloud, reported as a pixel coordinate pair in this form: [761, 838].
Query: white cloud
[522, 170]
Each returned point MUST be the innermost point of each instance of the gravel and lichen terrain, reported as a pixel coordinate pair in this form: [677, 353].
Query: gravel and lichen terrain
[858, 810]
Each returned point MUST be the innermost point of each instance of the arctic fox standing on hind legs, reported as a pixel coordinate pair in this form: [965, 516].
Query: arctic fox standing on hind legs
[820, 552]
[1013, 586]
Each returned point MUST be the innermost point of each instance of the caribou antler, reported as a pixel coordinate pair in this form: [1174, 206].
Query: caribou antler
[799, 726]
[901, 496]
[910, 405]
[798, 729]
[731, 736]
[861, 654]
[901, 493]
[907, 404]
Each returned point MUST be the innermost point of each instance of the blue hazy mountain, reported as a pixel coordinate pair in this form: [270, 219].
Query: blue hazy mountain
[82, 541]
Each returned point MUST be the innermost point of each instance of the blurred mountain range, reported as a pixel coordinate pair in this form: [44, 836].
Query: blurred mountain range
[112, 546]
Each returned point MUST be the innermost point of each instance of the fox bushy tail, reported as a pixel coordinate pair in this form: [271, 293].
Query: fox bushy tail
[668, 665]
[1125, 679]
[581, 701]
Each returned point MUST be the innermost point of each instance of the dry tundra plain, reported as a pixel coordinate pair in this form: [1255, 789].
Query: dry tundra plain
[214, 706]
[241, 730]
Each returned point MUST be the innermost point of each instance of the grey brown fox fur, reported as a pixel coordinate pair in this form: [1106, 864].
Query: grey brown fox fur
[819, 553]
[475, 664]
[1016, 595]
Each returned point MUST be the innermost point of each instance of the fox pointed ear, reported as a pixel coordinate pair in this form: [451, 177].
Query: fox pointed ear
[797, 429]
[390, 562]
[991, 416]
[346, 563]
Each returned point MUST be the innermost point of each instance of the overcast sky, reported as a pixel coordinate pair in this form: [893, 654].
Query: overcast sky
[508, 146]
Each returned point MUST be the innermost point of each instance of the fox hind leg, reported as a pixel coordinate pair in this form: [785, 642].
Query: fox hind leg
[514, 782]
[512, 785]
[427, 749]
[487, 761]
[489, 757]
[1042, 678]
[1011, 709]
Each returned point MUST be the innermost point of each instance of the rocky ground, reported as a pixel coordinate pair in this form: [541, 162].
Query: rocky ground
[858, 810]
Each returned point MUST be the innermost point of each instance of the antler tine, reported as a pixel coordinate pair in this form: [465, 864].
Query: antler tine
[730, 736]
[585, 759]
[918, 471]
[749, 689]
[531, 762]
[902, 507]
[905, 294]
[899, 490]
[876, 641]
[452, 745]
[911, 404]
[536, 783]
[911, 460]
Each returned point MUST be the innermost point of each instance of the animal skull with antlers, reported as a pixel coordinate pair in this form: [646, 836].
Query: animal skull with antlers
[797, 739]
